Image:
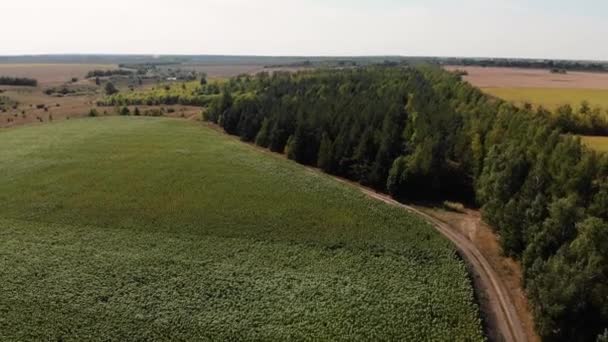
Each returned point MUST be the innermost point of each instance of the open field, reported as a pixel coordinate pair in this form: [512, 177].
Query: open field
[597, 143]
[540, 86]
[157, 228]
[551, 98]
[532, 78]
[48, 74]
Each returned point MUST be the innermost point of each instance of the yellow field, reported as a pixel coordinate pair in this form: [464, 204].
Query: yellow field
[552, 98]
[597, 143]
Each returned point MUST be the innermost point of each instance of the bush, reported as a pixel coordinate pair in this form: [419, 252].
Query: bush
[110, 89]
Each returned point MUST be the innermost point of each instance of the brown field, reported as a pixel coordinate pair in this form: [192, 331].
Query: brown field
[532, 78]
[50, 74]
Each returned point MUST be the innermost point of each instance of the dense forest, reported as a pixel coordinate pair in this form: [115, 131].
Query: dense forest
[422, 133]
[18, 81]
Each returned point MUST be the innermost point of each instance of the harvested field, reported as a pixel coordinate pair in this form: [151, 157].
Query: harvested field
[532, 78]
[551, 98]
[597, 143]
[47, 74]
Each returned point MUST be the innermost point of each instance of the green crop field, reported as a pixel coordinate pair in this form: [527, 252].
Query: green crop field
[597, 143]
[552, 98]
[123, 228]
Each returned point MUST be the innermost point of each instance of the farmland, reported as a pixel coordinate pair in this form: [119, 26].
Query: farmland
[540, 87]
[64, 92]
[552, 98]
[48, 74]
[156, 228]
[597, 143]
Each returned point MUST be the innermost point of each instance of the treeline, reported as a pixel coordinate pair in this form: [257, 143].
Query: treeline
[108, 73]
[557, 65]
[584, 121]
[422, 133]
[18, 81]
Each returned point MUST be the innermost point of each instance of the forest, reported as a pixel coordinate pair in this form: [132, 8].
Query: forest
[107, 73]
[421, 133]
[18, 81]
[557, 66]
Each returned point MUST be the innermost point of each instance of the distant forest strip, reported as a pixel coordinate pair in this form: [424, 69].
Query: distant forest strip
[422, 133]
[555, 65]
[108, 73]
[18, 81]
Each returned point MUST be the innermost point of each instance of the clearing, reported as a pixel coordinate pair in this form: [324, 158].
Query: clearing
[157, 228]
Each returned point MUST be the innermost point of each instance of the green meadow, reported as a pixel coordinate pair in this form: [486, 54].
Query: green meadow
[126, 228]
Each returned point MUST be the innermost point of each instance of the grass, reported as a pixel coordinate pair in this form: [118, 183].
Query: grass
[552, 98]
[597, 143]
[123, 228]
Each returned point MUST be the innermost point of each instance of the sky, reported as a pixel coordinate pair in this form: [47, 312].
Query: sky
[561, 29]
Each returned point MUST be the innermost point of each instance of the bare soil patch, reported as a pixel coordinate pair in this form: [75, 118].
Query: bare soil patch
[492, 77]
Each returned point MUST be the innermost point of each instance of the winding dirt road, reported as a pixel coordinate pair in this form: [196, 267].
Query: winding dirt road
[504, 315]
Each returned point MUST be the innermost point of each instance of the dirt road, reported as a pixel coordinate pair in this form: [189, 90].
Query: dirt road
[504, 317]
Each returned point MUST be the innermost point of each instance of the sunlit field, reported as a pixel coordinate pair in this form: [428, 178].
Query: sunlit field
[551, 98]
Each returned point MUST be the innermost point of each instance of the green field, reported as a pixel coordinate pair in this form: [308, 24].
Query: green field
[597, 143]
[552, 98]
[154, 229]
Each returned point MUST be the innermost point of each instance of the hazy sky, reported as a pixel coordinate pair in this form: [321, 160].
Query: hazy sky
[493, 28]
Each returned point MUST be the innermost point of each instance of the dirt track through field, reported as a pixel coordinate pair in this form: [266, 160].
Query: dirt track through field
[503, 316]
